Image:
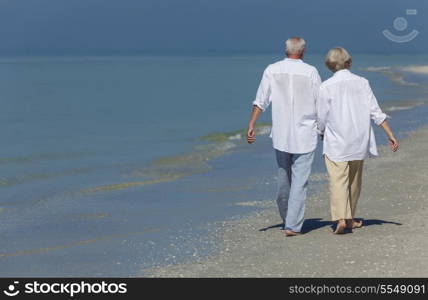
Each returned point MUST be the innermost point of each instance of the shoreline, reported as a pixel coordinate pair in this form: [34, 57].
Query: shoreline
[391, 244]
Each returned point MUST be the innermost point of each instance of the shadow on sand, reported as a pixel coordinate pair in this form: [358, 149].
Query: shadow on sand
[317, 223]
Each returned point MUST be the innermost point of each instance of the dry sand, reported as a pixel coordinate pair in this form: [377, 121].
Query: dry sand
[392, 243]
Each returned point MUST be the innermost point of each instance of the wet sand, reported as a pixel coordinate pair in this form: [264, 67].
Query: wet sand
[417, 69]
[392, 243]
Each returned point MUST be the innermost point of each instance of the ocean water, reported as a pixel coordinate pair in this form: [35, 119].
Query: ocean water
[113, 165]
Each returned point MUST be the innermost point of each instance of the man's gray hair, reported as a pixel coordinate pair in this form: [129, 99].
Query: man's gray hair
[338, 59]
[295, 46]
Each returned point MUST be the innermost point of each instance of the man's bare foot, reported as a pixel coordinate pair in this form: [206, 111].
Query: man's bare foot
[352, 224]
[340, 227]
[289, 232]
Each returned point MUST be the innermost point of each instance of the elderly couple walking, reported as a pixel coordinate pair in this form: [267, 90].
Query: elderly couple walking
[339, 110]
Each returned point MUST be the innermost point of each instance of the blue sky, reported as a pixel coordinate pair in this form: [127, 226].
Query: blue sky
[205, 26]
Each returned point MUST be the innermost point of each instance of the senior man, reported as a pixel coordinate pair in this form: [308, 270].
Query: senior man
[292, 87]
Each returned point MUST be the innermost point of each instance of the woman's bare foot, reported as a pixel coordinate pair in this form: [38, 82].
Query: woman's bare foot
[352, 224]
[357, 224]
[340, 227]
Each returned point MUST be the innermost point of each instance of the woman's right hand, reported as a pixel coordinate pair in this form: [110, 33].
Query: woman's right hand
[393, 143]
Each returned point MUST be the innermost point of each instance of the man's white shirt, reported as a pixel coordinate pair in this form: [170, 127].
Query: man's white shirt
[292, 87]
[346, 106]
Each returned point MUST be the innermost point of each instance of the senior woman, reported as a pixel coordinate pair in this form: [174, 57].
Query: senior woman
[346, 106]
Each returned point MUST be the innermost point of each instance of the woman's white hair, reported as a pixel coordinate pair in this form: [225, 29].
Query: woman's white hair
[295, 46]
[338, 59]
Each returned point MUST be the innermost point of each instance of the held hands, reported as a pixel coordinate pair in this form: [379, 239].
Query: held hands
[251, 136]
[393, 143]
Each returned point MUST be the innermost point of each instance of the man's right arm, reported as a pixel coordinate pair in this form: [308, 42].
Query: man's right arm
[261, 102]
[251, 136]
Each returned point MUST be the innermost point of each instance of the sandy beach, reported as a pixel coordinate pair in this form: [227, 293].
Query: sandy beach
[391, 244]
